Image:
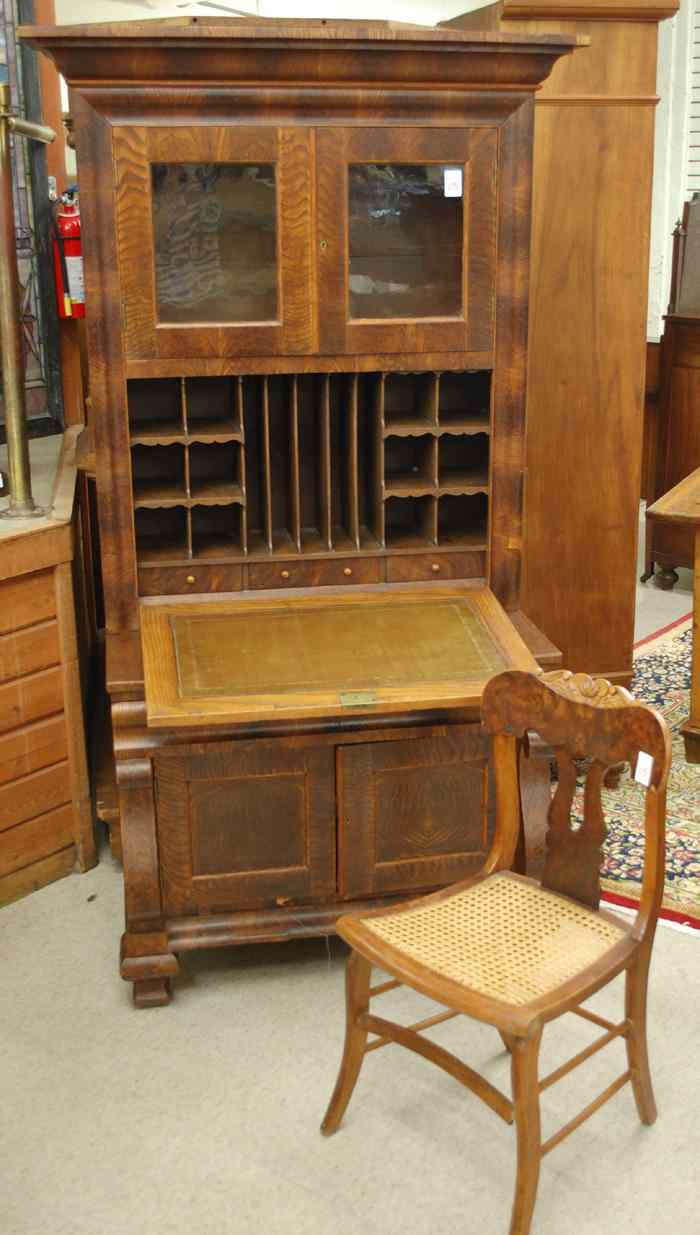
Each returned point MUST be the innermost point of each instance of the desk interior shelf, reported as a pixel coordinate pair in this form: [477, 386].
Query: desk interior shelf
[263, 467]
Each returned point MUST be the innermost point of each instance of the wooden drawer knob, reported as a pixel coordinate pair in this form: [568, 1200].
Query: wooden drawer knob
[347, 571]
[435, 567]
[190, 579]
[284, 574]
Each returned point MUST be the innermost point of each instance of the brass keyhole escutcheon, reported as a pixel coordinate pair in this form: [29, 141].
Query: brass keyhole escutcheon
[324, 245]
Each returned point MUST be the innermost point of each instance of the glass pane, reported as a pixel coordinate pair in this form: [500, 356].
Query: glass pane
[405, 240]
[215, 240]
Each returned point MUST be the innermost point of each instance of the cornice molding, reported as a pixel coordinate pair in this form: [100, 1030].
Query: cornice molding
[579, 10]
[298, 54]
[597, 100]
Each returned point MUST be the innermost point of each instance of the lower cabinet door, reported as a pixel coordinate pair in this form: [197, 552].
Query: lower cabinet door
[245, 825]
[412, 814]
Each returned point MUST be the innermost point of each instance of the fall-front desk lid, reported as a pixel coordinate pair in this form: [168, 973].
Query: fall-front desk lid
[326, 654]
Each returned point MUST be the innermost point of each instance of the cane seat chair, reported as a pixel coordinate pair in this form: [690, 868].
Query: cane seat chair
[516, 953]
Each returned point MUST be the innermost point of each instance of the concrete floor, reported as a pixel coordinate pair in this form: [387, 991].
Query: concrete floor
[203, 1116]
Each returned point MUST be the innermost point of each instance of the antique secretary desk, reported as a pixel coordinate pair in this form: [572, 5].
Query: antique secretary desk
[307, 270]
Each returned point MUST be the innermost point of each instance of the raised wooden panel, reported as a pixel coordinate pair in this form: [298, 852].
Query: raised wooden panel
[27, 699]
[25, 651]
[236, 825]
[26, 600]
[245, 825]
[34, 794]
[412, 814]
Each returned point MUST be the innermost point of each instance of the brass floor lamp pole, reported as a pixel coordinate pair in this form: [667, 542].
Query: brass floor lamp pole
[21, 500]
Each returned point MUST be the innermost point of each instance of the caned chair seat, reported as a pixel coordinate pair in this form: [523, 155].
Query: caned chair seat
[505, 937]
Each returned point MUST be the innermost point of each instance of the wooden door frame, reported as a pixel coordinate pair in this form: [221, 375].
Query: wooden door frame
[289, 149]
[475, 149]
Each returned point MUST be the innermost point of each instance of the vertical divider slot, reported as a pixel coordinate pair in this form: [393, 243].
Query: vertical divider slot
[353, 489]
[188, 483]
[266, 463]
[325, 485]
[378, 511]
[183, 405]
[431, 520]
[429, 396]
[242, 464]
[294, 465]
[188, 487]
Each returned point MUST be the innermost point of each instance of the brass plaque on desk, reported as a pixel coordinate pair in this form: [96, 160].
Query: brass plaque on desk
[213, 662]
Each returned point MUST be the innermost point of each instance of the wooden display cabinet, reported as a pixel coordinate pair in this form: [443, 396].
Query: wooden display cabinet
[307, 270]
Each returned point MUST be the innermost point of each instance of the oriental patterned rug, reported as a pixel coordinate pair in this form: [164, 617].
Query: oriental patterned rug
[661, 678]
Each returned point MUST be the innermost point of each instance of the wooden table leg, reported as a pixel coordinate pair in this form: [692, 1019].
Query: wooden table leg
[691, 727]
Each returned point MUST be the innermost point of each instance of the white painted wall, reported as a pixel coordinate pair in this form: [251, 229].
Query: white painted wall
[673, 86]
[670, 156]
[425, 12]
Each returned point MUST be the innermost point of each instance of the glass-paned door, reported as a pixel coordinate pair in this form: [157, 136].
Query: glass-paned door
[214, 228]
[407, 239]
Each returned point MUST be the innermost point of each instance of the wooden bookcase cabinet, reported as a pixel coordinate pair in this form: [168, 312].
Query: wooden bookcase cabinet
[319, 405]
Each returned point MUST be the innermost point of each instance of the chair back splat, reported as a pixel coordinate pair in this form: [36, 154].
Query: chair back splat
[584, 718]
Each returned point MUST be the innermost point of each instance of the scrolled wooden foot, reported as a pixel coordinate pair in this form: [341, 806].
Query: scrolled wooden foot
[666, 578]
[357, 977]
[146, 962]
[151, 992]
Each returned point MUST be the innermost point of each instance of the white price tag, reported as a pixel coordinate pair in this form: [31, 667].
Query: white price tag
[644, 769]
[453, 181]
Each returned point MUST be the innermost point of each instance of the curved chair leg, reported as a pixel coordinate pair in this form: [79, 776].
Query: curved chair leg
[526, 1102]
[357, 976]
[636, 981]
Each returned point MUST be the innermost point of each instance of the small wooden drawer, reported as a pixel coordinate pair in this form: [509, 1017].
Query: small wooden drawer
[314, 573]
[178, 580]
[436, 566]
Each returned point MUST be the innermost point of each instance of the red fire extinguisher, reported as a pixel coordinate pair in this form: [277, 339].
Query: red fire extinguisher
[68, 257]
